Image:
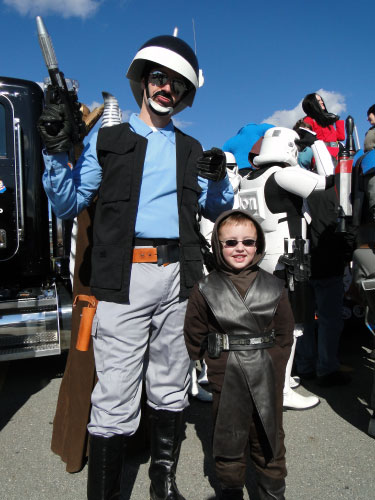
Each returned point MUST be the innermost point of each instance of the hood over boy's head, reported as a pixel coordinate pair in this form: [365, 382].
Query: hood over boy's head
[237, 225]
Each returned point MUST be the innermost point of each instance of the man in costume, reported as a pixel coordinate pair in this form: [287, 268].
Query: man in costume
[364, 222]
[246, 354]
[151, 180]
[274, 194]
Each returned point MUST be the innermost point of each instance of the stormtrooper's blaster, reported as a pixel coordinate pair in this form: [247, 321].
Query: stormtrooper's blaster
[297, 264]
[57, 91]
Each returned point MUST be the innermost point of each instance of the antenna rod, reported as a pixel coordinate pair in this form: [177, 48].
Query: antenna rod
[195, 42]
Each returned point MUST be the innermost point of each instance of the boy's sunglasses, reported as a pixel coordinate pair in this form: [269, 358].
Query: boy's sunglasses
[233, 243]
[159, 78]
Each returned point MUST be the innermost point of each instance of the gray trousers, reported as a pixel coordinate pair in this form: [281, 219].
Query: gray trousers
[142, 339]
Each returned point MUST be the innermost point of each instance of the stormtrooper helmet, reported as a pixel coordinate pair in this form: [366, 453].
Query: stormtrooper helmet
[278, 146]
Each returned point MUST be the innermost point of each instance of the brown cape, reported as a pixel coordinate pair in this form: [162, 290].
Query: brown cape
[69, 435]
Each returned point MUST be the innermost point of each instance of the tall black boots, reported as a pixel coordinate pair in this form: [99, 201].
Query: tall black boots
[104, 467]
[232, 494]
[166, 429]
[106, 457]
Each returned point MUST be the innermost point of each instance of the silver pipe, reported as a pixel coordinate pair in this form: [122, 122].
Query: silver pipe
[112, 114]
[356, 137]
[21, 230]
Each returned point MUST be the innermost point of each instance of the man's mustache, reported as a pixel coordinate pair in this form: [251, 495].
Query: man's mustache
[163, 93]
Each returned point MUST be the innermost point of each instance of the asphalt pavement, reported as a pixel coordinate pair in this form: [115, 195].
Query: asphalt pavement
[329, 454]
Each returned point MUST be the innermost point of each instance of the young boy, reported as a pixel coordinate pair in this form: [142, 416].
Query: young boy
[239, 318]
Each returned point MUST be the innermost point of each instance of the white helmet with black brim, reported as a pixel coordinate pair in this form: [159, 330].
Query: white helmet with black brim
[170, 52]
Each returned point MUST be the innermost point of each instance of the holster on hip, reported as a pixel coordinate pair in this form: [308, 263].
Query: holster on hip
[85, 325]
[214, 345]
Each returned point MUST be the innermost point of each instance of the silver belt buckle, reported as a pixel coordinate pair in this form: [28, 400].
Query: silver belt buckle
[225, 342]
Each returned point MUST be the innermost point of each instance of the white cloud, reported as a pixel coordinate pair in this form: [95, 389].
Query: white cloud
[66, 8]
[334, 101]
[93, 105]
[181, 123]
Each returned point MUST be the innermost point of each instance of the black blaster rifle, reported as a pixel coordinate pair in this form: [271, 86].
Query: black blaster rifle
[58, 92]
[297, 264]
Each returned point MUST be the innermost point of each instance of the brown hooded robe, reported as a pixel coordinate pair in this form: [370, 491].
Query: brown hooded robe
[252, 409]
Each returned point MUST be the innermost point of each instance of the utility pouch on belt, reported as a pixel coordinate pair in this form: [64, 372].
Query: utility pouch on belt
[85, 325]
[215, 345]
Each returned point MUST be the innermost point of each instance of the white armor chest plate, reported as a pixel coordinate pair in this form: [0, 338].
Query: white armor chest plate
[251, 197]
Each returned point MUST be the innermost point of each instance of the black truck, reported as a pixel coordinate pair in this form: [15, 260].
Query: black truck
[35, 289]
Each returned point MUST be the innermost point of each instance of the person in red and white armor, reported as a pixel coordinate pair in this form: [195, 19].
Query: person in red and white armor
[327, 126]
[275, 195]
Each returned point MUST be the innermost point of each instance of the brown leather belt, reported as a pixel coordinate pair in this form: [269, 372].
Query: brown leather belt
[161, 255]
[367, 245]
[145, 255]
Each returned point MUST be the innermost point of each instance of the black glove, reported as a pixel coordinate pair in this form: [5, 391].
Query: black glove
[54, 129]
[212, 165]
[332, 117]
[307, 138]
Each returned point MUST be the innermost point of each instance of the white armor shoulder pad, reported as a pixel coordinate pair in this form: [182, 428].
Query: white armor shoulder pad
[299, 181]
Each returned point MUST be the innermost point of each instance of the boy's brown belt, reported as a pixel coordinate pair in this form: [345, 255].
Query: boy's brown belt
[218, 342]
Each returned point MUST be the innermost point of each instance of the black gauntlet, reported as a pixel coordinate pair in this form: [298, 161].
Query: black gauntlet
[212, 165]
[54, 129]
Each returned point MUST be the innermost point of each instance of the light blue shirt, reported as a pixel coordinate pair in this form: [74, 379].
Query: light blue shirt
[159, 184]
[71, 190]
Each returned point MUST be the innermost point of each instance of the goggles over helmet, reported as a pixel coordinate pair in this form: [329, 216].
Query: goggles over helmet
[170, 52]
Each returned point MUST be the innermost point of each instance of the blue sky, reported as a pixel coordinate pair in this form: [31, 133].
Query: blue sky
[259, 59]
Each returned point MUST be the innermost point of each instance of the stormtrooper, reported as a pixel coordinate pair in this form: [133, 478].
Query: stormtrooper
[275, 195]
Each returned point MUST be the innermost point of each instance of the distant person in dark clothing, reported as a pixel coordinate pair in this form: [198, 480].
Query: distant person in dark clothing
[370, 134]
[329, 254]
[364, 221]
